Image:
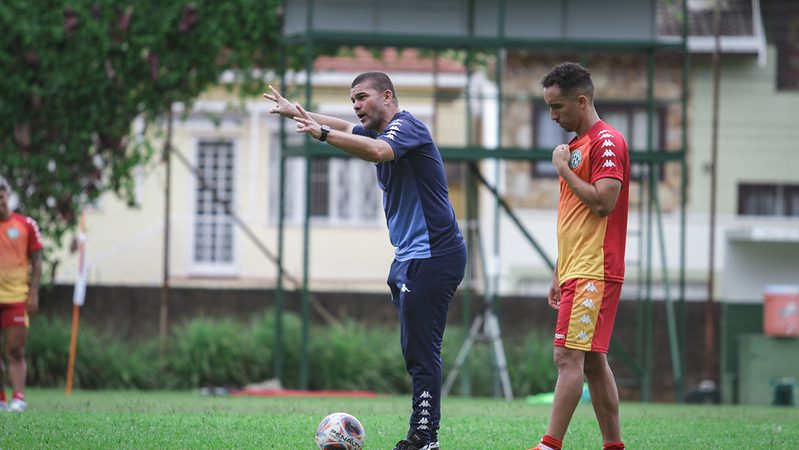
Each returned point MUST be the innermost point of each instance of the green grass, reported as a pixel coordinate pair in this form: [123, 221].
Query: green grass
[132, 419]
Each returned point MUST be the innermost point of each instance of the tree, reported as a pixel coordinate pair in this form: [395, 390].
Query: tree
[76, 74]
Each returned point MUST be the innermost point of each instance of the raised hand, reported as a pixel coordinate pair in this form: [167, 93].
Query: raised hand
[282, 106]
[305, 123]
[560, 158]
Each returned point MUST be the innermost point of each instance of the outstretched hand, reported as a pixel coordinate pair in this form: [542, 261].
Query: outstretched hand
[282, 106]
[305, 124]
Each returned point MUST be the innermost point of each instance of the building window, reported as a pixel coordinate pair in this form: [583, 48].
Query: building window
[344, 190]
[788, 65]
[629, 118]
[294, 192]
[768, 200]
[213, 226]
[546, 135]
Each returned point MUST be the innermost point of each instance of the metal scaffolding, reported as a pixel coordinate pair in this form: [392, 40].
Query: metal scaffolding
[476, 40]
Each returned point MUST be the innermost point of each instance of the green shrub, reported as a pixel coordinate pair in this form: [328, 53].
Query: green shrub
[47, 351]
[224, 352]
[210, 352]
[530, 366]
[262, 330]
[354, 357]
[479, 366]
[101, 361]
[533, 369]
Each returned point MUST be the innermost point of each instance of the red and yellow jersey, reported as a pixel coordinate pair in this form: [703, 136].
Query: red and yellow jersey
[590, 246]
[19, 236]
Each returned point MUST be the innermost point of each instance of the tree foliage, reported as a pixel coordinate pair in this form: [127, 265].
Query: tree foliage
[77, 73]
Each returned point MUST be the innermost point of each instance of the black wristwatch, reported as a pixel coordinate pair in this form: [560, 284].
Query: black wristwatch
[325, 131]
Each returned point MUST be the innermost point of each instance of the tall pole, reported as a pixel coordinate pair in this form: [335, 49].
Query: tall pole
[78, 297]
[281, 224]
[683, 184]
[493, 260]
[710, 327]
[471, 210]
[163, 327]
[304, 352]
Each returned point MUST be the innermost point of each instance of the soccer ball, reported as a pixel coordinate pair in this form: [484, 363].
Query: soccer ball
[340, 431]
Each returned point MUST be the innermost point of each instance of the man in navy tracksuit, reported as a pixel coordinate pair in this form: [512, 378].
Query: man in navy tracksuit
[430, 256]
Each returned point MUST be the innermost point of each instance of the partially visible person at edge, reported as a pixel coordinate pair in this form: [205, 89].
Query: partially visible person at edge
[20, 272]
[594, 172]
[430, 256]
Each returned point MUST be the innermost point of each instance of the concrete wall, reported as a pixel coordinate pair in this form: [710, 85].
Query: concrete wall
[765, 362]
[758, 132]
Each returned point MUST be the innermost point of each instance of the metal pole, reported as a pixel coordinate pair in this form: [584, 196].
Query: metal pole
[493, 265]
[471, 216]
[434, 115]
[281, 225]
[304, 369]
[163, 327]
[710, 326]
[652, 184]
[683, 189]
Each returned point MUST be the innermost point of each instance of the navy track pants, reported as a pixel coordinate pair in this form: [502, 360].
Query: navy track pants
[422, 290]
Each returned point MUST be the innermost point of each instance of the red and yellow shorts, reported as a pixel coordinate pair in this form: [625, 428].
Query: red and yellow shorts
[13, 315]
[586, 314]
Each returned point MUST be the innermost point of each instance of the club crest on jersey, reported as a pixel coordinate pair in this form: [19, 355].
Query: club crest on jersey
[575, 159]
[12, 233]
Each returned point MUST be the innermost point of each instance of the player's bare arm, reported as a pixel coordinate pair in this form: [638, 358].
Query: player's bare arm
[599, 197]
[286, 109]
[36, 275]
[368, 149]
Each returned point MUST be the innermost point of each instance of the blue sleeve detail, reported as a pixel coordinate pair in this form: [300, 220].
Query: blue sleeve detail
[361, 131]
[404, 134]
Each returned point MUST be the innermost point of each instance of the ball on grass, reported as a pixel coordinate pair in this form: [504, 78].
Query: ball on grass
[340, 431]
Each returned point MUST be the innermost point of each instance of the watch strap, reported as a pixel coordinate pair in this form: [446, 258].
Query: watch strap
[325, 132]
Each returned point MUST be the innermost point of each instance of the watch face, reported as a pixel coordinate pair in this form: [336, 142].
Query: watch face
[325, 130]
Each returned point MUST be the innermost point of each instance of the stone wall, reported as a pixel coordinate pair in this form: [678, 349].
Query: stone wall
[618, 77]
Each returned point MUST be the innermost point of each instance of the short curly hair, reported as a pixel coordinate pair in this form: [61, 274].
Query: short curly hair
[572, 78]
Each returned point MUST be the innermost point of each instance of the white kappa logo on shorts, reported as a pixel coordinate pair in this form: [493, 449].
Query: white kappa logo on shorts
[590, 287]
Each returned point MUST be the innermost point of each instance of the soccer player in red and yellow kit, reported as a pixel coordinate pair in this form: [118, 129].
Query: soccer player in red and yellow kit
[20, 271]
[594, 170]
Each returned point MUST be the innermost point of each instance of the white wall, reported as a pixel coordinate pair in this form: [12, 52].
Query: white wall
[125, 246]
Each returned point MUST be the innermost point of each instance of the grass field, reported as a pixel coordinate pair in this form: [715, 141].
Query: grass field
[128, 419]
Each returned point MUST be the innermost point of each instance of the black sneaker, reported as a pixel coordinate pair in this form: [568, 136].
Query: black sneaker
[407, 445]
[413, 442]
[433, 445]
